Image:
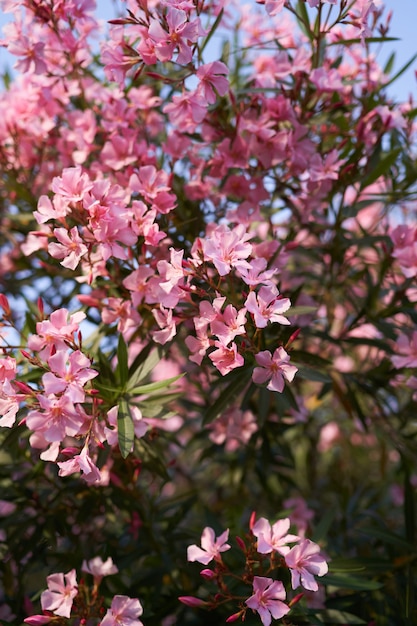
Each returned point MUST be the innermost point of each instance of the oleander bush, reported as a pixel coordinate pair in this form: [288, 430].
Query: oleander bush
[208, 254]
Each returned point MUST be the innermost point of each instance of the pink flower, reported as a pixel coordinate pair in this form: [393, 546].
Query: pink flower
[227, 248]
[181, 34]
[72, 185]
[267, 306]
[59, 596]
[166, 323]
[274, 368]
[124, 611]
[81, 463]
[407, 351]
[56, 418]
[273, 538]
[68, 374]
[226, 358]
[267, 599]
[99, 568]
[71, 247]
[234, 428]
[229, 324]
[7, 368]
[55, 333]
[305, 562]
[212, 76]
[186, 110]
[210, 547]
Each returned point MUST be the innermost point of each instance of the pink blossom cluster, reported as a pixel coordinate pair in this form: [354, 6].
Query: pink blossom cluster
[65, 598]
[113, 220]
[303, 560]
[62, 412]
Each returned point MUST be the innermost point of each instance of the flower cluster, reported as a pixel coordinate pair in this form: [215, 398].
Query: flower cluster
[67, 598]
[303, 560]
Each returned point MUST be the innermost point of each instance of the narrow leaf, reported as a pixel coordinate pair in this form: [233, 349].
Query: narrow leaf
[151, 387]
[122, 369]
[332, 616]
[125, 429]
[401, 71]
[308, 373]
[381, 168]
[212, 31]
[238, 381]
[144, 363]
[341, 581]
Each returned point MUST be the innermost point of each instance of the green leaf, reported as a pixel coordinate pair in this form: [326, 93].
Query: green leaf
[212, 31]
[362, 565]
[144, 363]
[401, 71]
[321, 530]
[151, 387]
[342, 581]
[238, 381]
[125, 428]
[304, 19]
[122, 369]
[156, 406]
[347, 42]
[388, 537]
[307, 373]
[301, 310]
[332, 616]
[389, 64]
[384, 164]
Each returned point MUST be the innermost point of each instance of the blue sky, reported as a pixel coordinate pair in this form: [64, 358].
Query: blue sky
[404, 26]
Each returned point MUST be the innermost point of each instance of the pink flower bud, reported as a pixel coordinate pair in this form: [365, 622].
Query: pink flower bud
[70, 451]
[207, 573]
[23, 387]
[234, 617]
[37, 620]
[252, 520]
[241, 544]
[4, 303]
[192, 601]
[293, 337]
[295, 599]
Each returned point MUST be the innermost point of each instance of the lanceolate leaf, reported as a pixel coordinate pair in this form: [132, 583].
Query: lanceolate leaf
[238, 381]
[122, 369]
[125, 428]
[152, 387]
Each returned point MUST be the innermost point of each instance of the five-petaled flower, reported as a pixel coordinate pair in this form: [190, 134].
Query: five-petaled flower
[274, 368]
[124, 611]
[273, 537]
[60, 594]
[210, 547]
[305, 562]
[267, 599]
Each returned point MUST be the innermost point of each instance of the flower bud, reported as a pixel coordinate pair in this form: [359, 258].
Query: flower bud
[241, 544]
[4, 303]
[207, 573]
[295, 599]
[192, 601]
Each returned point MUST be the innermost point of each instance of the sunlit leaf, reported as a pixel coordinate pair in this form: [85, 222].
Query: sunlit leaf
[125, 428]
